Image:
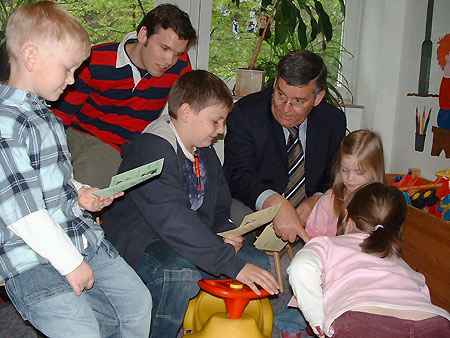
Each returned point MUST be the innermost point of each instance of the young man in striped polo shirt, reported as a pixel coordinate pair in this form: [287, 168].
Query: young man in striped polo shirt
[121, 88]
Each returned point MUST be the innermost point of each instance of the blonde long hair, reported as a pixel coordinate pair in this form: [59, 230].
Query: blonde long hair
[367, 147]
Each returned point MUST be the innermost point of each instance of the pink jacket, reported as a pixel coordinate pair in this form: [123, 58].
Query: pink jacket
[331, 275]
[322, 221]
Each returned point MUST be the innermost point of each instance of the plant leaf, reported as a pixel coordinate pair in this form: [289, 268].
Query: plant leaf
[281, 32]
[266, 3]
[281, 26]
[302, 38]
[315, 29]
[302, 4]
[324, 21]
[292, 13]
[285, 8]
[336, 99]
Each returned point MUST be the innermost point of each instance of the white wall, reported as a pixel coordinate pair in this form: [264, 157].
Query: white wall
[404, 153]
[386, 68]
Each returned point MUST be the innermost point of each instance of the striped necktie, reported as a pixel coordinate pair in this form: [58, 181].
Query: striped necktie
[295, 191]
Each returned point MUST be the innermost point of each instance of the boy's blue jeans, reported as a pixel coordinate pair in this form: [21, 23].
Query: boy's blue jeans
[173, 281]
[118, 305]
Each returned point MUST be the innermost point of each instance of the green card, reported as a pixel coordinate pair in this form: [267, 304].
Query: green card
[130, 178]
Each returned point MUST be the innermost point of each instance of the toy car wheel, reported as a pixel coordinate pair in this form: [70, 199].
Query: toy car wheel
[430, 198]
[417, 200]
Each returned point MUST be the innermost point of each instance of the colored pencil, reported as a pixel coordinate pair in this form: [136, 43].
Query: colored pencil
[423, 120]
[417, 121]
[428, 120]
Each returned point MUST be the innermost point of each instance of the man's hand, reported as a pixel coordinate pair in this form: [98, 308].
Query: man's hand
[93, 203]
[305, 208]
[81, 278]
[286, 223]
[235, 241]
[252, 274]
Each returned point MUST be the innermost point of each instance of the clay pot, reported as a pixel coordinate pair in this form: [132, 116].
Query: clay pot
[249, 81]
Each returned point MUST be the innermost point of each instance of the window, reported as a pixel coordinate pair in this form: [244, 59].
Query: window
[106, 20]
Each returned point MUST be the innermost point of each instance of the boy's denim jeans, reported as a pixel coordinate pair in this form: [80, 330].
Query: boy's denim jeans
[118, 305]
[173, 281]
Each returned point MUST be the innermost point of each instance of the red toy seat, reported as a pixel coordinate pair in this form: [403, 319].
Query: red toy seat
[235, 294]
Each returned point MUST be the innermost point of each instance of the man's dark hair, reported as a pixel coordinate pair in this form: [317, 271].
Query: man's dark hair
[300, 67]
[167, 16]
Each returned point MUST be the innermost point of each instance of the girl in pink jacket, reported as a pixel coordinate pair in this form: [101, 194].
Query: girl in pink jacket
[359, 161]
[356, 284]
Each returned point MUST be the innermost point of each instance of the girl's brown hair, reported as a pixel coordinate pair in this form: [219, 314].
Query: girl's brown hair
[377, 209]
[366, 145]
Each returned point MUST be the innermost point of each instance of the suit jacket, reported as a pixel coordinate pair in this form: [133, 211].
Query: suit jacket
[256, 154]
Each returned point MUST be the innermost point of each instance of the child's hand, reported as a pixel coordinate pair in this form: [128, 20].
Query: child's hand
[252, 274]
[93, 203]
[235, 241]
[81, 278]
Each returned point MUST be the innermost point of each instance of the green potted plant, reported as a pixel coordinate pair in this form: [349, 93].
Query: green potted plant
[250, 80]
[302, 24]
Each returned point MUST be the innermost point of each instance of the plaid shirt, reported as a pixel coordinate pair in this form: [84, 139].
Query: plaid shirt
[35, 174]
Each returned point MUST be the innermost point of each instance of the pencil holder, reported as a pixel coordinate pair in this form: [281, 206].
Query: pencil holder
[419, 142]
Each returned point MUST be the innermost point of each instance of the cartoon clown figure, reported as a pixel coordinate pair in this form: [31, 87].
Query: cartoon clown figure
[443, 56]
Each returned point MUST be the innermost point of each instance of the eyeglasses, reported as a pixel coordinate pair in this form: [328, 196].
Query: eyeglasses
[299, 104]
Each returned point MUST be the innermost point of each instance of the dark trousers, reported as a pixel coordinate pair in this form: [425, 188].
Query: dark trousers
[354, 324]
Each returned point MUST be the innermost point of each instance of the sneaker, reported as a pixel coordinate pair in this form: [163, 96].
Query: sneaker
[290, 335]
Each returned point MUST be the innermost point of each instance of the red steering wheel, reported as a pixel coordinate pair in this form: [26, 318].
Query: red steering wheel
[235, 294]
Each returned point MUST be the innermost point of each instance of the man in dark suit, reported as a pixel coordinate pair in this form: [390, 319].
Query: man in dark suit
[256, 160]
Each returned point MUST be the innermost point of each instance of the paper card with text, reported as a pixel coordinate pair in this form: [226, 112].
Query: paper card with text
[253, 221]
[269, 241]
[130, 178]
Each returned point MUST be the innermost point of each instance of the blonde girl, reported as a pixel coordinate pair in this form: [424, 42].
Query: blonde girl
[360, 161]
